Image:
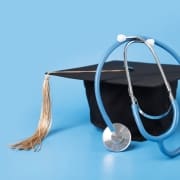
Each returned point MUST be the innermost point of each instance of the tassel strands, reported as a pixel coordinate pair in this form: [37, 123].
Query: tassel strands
[44, 125]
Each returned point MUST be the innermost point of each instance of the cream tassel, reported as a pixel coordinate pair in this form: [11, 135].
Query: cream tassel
[44, 125]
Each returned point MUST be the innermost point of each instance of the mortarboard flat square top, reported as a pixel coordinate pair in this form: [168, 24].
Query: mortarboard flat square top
[148, 88]
[142, 74]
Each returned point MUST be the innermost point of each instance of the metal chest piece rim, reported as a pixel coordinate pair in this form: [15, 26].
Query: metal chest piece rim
[118, 140]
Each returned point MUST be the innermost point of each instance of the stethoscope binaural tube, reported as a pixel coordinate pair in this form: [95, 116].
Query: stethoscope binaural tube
[135, 107]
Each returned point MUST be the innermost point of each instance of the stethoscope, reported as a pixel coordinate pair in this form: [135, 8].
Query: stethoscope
[117, 137]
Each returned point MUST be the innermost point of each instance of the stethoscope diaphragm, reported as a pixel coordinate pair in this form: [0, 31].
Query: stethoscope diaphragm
[118, 140]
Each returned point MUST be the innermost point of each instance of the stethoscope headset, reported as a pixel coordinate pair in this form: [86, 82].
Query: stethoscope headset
[116, 136]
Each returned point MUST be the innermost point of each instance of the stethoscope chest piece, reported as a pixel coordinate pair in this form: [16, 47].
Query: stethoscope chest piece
[118, 140]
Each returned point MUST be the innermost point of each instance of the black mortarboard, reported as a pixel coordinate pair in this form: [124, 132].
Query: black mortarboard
[148, 87]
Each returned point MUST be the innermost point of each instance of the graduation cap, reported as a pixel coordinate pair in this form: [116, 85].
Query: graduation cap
[148, 86]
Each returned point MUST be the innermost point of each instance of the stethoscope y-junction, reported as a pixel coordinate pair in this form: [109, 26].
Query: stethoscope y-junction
[116, 136]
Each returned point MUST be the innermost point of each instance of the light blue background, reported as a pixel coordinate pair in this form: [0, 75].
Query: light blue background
[38, 36]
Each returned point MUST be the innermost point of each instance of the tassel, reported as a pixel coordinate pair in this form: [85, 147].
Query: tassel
[44, 125]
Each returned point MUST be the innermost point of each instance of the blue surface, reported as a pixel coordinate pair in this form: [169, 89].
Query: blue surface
[38, 36]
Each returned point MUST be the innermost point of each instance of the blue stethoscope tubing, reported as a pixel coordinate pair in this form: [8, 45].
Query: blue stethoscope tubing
[135, 107]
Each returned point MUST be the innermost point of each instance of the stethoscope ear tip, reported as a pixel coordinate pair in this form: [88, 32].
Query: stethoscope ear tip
[118, 140]
[121, 38]
[150, 42]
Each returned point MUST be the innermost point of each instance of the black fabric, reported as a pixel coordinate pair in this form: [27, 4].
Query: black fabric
[117, 103]
[148, 87]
